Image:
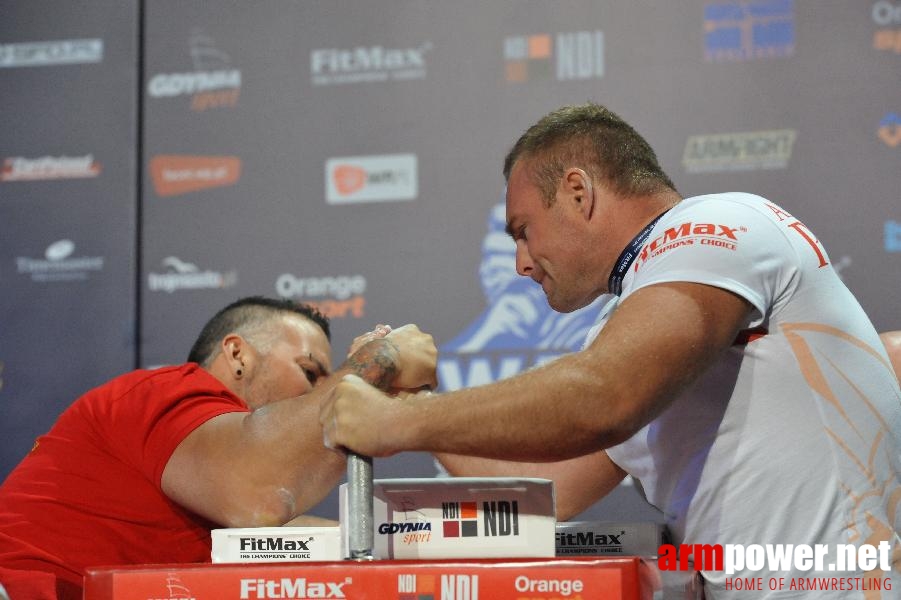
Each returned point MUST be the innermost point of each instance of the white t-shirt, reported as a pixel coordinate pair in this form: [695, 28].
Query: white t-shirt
[793, 437]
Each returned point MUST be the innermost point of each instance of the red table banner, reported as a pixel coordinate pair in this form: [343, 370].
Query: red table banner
[514, 579]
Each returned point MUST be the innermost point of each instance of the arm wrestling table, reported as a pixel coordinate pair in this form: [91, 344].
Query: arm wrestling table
[362, 578]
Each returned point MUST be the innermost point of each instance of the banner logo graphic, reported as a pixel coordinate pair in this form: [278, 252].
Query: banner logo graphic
[59, 264]
[336, 297]
[744, 151]
[299, 588]
[213, 83]
[368, 64]
[890, 129]
[747, 30]
[268, 547]
[459, 587]
[887, 17]
[892, 236]
[20, 168]
[589, 542]
[42, 54]
[415, 586]
[460, 519]
[379, 178]
[180, 275]
[175, 588]
[576, 55]
[787, 559]
[173, 175]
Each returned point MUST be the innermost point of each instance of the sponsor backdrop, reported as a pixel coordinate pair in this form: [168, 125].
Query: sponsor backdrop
[68, 207]
[161, 159]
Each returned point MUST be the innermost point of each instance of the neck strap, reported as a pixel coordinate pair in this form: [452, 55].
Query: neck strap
[628, 255]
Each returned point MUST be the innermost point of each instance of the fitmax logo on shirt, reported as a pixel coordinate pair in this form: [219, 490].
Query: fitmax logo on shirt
[689, 234]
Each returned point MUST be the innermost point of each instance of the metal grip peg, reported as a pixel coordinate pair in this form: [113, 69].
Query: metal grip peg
[359, 507]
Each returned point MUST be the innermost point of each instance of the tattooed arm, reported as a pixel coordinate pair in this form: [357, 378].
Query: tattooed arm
[268, 466]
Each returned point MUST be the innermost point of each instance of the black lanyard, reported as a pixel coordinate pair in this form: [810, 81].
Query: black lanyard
[615, 283]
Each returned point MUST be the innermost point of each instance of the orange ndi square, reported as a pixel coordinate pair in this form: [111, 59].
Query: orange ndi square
[516, 71]
[425, 584]
[468, 510]
[539, 46]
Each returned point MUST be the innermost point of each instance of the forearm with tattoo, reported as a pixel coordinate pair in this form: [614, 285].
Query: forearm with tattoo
[375, 363]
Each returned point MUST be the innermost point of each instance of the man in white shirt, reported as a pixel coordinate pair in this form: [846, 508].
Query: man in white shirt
[731, 373]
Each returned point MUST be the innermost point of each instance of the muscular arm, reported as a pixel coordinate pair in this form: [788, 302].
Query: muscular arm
[265, 467]
[578, 482]
[659, 340]
[892, 342]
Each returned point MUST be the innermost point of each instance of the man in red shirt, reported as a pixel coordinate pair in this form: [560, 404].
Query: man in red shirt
[140, 469]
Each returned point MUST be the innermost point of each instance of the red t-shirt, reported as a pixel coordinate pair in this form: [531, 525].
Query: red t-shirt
[88, 494]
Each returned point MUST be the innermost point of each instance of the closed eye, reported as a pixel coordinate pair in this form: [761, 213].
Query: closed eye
[517, 234]
[310, 372]
[314, 370]
[312, 376]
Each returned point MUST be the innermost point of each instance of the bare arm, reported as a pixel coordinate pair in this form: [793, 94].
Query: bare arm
[578, 482]
[311, 521]
[658, 341]
[266, 467]
[892, 342]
